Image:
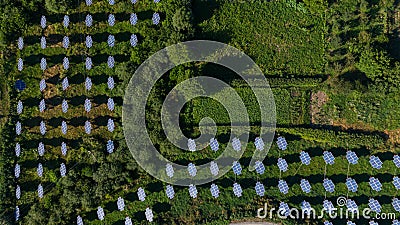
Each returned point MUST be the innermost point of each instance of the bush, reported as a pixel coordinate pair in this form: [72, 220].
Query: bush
[58, 6]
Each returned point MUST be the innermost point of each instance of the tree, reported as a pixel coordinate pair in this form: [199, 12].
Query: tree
[58, 6]
[182, 20]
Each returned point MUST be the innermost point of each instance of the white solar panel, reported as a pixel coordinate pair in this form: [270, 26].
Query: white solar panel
[329, 158]
[149, 215]
[374, 205]
[306, 207]
[88, 127]
[18, 192]
[16, 213]
[133, 19]
[89, 41]
[192, 191]
[281, 142]
[282, 164]
[65, 84]
[110, 83]
[43, 64]
[352, 206]
[191, 145]
[100, 213]
[66, 63]
[214, 144]
[237, 169]
[110, 61]
[111, 40]
[134, 40]
[64, 127]
[89, 20]
[63, 149]
[64, 106]
[41, 149]
[396, 204]
[128, 221]
[169, 191]
[375, 162]
[305, 158]
[43, 22]
[42, 127]
[79, 220]
[259, 143]
[89, 2]
[375, 184]
[169, 170]
[65, 42]
[214, 168]
[237, 146]
[192, 169]
[329, 185]
[328, 206]
[156, 1]
[18, 128]
[111, 20]
[40, 191]
[352, 157]
[351, 184]
[110, 104]
[396, 161]
[305, 186]
[20, 43]
[284, 209]
[260, 168]
[63, 170]
[110, 146]
[42, 105]
[396, 182]
[17, 149]
[17, 170]
[141, 194]
[111, 2]
[283, 187]
[110, 125]
[20, 64]
[214, 190]
[260, 189]
[120, 204]
[88, 83]
[20, 107]
[66, 21]
[237, 190]
[43, 42]
[88, 63]
[39, 170]
[156, 18]
[42, 85]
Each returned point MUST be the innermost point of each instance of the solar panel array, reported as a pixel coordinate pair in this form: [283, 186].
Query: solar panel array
[351, 205]
[192, 169]
[237, 190]
[375, 184]
[120, 204]
[306, 207]
[284, 209]
[191, 145]
[170, 192]
[396, 182]
[260, 168]
[169, 170]
[259, 143]
[375, 162]
[282, 144]
[396, 160]
[374, 205]
[305, 186]
[329, 158]
[236, 144]
[260, 189]
[214, 168]
[305, 158]
[100, 213]
[351, 157]
[351, 184]
[214, 144]
[214, 190]
[237, 169]
[329, 185]
[192, 191]
[141, 194]
[396, 204]
[282, 164]
[149, 214]
[283, 187]
[328, 206]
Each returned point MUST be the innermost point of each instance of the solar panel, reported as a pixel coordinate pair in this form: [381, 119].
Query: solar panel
[65, 84]
[133, 1]
[88, 83]
[64, 127]
[110, 83]
[111, 2]
[141, 194]
[351, 206]
[16, 213]
[65, 41]
[260, 168]
[282, 144]
[43, 64]
[89, 2]
[375, 162]
[396, 182]
[305, 158]
[282, 164]
[110, 104]
[88, 63]
[43, 22]
[350, 223]
[89, 41]
[283, 187]
[306, 207]
[89, 20]
[214, 190]
[192, 191]
[42, 105]
[373, 223]
[396, 161]
[17, 170]
[111, 20]
[64, 106]
[328, 206]
[375, 184]
[191, 145]
[66, 21]
[237, 169]
[329, 185]
[156, 18]
[20, 64]
[128, 221]
[42, 85]
[237, 190]
[17, 149]
[396, 204]
[149, 215]
[63, 170]
[39, 170]
[88, 127]
[169, 191]
[110, 146]
[41, 149]
[134, 40]
[79, 220]
[20, 107]
[63, 149]
[111, 40]
[284, 209]
[396, 222]
[236, 144]
[214, 144]
[259, 143]
[133, 19]
[42, 127]
[328, 223]
[374, 205]
[192, 169]
[66, 63]
[20, 43]
[110, 125]
[260, 189]
[352, 157]
[351, 184]
[305, 186]
[214, 168]
[18, 192]
[169, 170]
[18, 128]
[100, 213]
[329, 158]
[40, 191]
[43, 43]
[110, 61]
[120, 204]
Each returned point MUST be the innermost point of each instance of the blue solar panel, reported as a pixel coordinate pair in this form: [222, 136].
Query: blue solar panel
[149, 215]
[329, 158]
[214, 144]
[396, 222]
[66, 63]
[79, 220]
[20, 85]
[259, 143]
[65, 42]
[100, 213]
[43, 43]
[42, 85]
[20, 64]
[375, 162]
[396, 160]
[133, 1]
[281, 142]
[156, 18]
[20, 107]
[375, 184]
[352, 157]
[17, 170]
[43, 22]
[40, 191]
[64, 106]
[351, 184]
[236, 144]
[374, 205]
[305, 186]
[110, 125]
[169, 170]
[64, 127]
[89, 2]
[283, 187]
[110, 104]
[42, 105]
[111, 20]
[89, 20]
[396, 182]
[39, 170]
[214, 168]
[237, 190]
[141, 194]
[110, 146]
[193, 191]
[16, 213]
[128, 221]
[18, 192]
[88, 64]
[41, 149]
[88, 105]
[396, 204]
[111, 2]
[305, 158]
[328, 206]
[284, 209]
[134, 40]
[63, 170]
[329, 185]
[43, 128]
[260, 190]
[191, 145]
[373, 223]
[192, 169]
[350, 223]
[88, 127]
[351, 205]
[133, 19]
[63, 149]
[260, 168]
[306, 207]
[169, 191]
[214, 190]
[110, 62]
[120, 204]
[66, 21]
[89, 41]
[17, 149]
[282, 164]
[328, 223]
[18, 128]
[20, 43]
[237, 169]
[110, 83]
